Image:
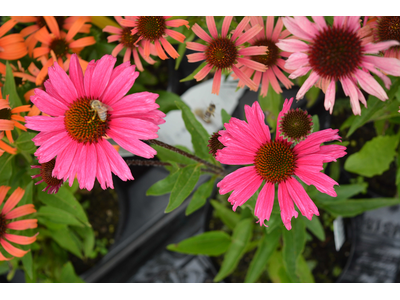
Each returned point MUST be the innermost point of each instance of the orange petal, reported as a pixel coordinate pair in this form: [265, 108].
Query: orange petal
[21, 211]
[25, 19]
[6, 125]
[52, 23]
[7, 26]
[14, 51]
[43, 36]
[83, 42]
[43, 72]
[13, 200]
[29, 30]
[20, 126]
[3, 258]
[34, 110]
[18, 118]
[33, 69]
[40, 51]
[7, 148]
[22, 108]
[23, 224]
[4, 104]
[12, 250]
[11, 39]
[3, 192]
[9, 136]
[76, 26]
[31, 42]
[20, 239]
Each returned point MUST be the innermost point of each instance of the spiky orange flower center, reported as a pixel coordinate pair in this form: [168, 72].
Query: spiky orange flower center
[389, 29]
[296, 124]
[272, 56]
[336, 53]
[3, 225]
[5, 114]
[214, 144]
[60, 47]
[83, 124]
[221, 53]
[151, 28]
[275, 161]
[127, 38]
[46, 171]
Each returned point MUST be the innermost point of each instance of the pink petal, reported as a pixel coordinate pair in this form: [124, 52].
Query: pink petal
[252, 64]
[211, 27]
[351, 91]
[286, 205]
[322, 182]
[12, 250]
[103, 172]
[302, 200]
[232, 157]
[265, 203]
[332, 152]
[76, 75]
[297, 30]
[117, 164]
[13, 200]
[127, 55]
[203, 72]
[299, 72]
[286, 82]
[286, 106]
[311, 80]
[277, 30]
[216, 82]
[246, 80]
[19, 239]
[249, 34]
[225, 25]
[296, 60]
[44, 123]
[60, 80]
[370, 85]
[239, 29]
[330, 96]
[255, 119]
[48, 104]
[338, 21]
[135, 103]
[255, 50]
[196, 46]
[274, 82]
[23, 224]
[269, 27]
[117, 50]
[138, 129]
[375, 48]
[52, 147]
[320, 21]
[201, 33]
[386, 64]
[64, 161]
[91, 166]
[168, 47]
[195, 57]
[371, 68]
[101, 76]
[312, 143]
[112, 29]
[88, 77]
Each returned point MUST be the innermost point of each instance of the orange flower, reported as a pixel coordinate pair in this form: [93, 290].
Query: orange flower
[13, 45]
[10, 117]
[60, 42]
[8, 213]
[63, 22]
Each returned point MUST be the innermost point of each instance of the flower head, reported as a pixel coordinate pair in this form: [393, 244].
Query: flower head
[222, 52]
[337, 53]
[153, 30]
[46, 170]
[130, 42]
[275, 162]
[386, 28]
[84, 109]
[214, 144]
[13, 45]
[268, 37]
[7, 213]
[295, 124]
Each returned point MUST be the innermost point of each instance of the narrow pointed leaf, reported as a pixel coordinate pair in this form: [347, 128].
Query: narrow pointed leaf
[200, 196]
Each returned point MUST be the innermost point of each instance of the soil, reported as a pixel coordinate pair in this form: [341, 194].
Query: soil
[102, 209]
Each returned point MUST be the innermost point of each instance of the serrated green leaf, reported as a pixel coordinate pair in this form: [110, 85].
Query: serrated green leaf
[166, 100]
[184, 185]
[200, 196]
[66, 239]
[240, 238]
[199, 135]
[264, 251]
[68, 274]
[27, 263]
[294, 241]
[191, 76]
[303, 271]
[225, 116]
[65, 201]
[374, 158]
[351, 208]
[315, 121]
[315, 227]
[163, 186]
[57, 215]
[10, 89]
[211, 243]
[227, 216]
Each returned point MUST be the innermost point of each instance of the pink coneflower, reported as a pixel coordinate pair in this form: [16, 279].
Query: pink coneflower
[128, 41]
[7, 213]
[268, 36]
[46, 170]
[337, 53]
[386, 29]
[153, 30]
[275, 162]
[75, 134]
[225, 53]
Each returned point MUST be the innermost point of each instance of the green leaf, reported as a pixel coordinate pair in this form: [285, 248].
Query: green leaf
[225, 116]
[227, 216]
[184, 185]
[271, 105]
[276, 269]
[163, 186]
[294, 241]
[315, 227]
[24, 142]
[312, 95]
[315, 121]
[374, 158]
[27, 197]
[27, 263]
[200, 196]
[10, 89]
[168, 155]
[240, 238]
[199, 135]
[182, 49]
[68, 274]
[65, 201]
[264, 251]
[343, 191]
[191, 76]
[57, 215]
[67, 240]
[4, 267]
[351, 208]
[5, 168]
[87, 235]
[166, 100]
[211, 243]
[303, 271]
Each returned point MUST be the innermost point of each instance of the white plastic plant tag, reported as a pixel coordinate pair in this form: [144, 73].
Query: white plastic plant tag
[338, 233]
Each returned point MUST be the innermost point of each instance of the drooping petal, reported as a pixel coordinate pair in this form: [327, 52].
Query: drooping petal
[13, 200]
[265, 203]
[286, 205]
[301, 198]
[12, 250]
[20, 211]
[19, 239]
[321, 181]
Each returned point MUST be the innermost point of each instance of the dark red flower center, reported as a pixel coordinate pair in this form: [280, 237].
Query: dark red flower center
[60, 47]
[296, 124]
[41, 22]
[389, 29]
[46, 171]
[275, 161]
[214, 144]
[5, 114]
[151, 28]
[272, 56]
[221, 53]
[84, 123]
[3, 225]
[127, 38]
[335, 53]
